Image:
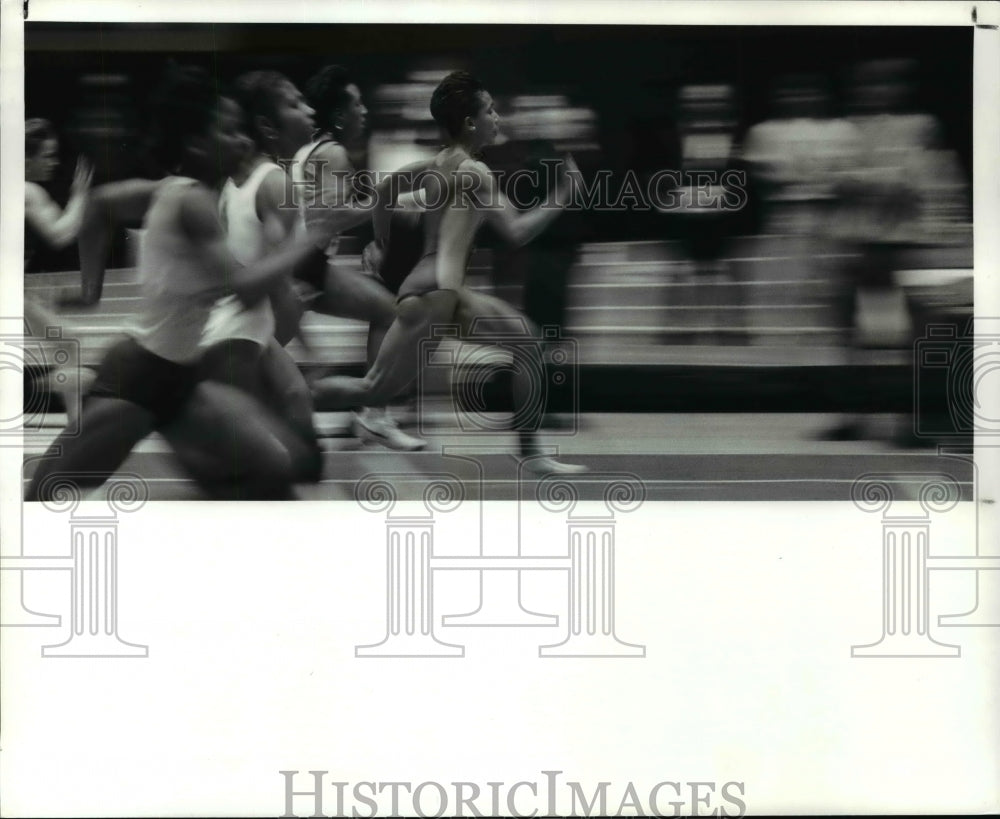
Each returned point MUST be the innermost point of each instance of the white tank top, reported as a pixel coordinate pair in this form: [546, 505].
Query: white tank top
[231, 318]
[178, 289]
[307, 189]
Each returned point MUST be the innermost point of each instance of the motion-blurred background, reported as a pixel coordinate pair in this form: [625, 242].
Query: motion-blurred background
[853, 230]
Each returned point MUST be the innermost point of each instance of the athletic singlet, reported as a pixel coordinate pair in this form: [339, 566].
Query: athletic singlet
[231, 318]
[178, 288]
[306, 188]
[426, 276]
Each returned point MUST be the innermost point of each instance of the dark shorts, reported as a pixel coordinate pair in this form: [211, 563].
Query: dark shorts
[403, 252]
[312, 270]
[236, 362]
[422, 280]
[130, 372]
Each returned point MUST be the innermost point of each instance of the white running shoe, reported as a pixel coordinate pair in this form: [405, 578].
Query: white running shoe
[377, 425]
[550, 466]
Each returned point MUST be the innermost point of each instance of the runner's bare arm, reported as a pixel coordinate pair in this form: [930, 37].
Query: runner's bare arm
[280, 221]
[334, 192]
[275, 210]
[109, 208]
[398, 189]
[58, 228]
[514, 226]
[200, 222]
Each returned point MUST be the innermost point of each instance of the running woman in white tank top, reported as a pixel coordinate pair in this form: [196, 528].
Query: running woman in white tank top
[150, 380]
[257, 209]
[248, 242]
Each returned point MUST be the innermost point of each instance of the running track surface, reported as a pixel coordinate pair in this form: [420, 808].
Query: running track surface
[677, 457]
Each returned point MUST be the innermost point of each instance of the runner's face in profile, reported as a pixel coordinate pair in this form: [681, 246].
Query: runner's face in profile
[41, 166]
[353, 117]
[294, 118]
[227, 139]
[487, 121]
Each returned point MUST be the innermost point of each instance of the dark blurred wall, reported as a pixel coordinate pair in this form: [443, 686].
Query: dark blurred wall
[94, 81]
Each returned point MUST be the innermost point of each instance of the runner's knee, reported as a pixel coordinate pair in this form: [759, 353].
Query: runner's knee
[412, 312]
[270, 471]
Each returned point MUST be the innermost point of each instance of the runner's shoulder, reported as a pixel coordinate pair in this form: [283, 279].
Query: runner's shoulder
[332, 153]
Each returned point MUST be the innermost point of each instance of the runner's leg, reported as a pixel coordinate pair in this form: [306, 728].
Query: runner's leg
[396, 364]
[109, 430]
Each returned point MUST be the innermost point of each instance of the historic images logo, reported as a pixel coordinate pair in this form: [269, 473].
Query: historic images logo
[956, 381]
[585, 560]
[956, 374]
[325, 796]
[543, 368]
[48, 365]
[667, 190]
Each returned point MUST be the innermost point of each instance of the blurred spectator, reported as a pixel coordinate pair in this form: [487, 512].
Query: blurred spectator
[797, 157]
[536, 132]
[901, 197]
[904, 187]
[702, 205]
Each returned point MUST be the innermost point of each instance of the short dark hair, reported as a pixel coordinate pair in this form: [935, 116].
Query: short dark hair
[257, 94]
[455, 98]
[36, 131]
[327, 92]
[184, 106]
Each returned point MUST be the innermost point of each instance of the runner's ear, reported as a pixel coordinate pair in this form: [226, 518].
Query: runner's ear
[197, 146]
[265, 127]
[338, 120]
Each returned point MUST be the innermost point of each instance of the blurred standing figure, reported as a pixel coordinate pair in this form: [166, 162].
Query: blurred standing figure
[703, 202]
[885, 201]
[798, 156]
[534, 276]
[797, 160]
[903, 189]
